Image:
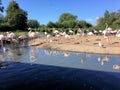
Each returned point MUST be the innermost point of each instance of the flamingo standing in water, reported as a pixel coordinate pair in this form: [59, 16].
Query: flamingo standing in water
[12, 37]
[3, 41]
[33, 35]
[22, 38]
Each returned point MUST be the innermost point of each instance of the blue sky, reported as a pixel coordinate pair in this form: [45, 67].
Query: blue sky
[50, 10]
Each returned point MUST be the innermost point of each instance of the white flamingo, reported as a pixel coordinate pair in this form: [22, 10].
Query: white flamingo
[118, 33]
[31, 34]
[71, 32]
[100, 44]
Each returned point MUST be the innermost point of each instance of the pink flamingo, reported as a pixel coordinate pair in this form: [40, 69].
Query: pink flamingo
[12, 37]
[3, 41]
[22, 38]
[33, 35]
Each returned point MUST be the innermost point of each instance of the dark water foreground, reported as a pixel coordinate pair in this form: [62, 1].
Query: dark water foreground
[27, 76]
[31, 69]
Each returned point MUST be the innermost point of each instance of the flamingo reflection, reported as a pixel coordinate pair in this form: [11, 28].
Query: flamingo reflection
[51, 52]
[66, 54]
[2, 58]
[13, 54]
[33, 55]
[103, 60]
[83, 59]
[116, 66]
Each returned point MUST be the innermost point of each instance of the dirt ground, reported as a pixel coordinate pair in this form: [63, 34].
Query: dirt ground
[88, 44]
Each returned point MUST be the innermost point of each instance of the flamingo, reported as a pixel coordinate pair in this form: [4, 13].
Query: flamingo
[31, 34]
[11, 37]
[118, 33]
[22, 38]
[3, 40]
[49, 37]
[71, 32]
[100, 44]
[56, 32]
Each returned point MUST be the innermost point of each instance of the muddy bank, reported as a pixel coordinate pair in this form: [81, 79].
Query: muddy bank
[82, 44]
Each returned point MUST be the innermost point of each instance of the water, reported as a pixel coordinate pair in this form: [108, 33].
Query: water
[29, 68]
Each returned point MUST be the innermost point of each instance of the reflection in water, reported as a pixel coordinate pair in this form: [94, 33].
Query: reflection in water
[2, 58]
[83, 59]
[116, 66]
[66, 54]
[13, 54]
[51, 52]
[104, 59]
[51, 68]
[85, 56]
[57, 58]
[33, 55]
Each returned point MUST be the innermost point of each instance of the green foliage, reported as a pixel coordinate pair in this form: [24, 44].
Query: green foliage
[16, 17]
[6, 27]
[33, 23]
[51, 25]
[1, 20]
[111, 19]
[1, 7]
[67, 20]
[83, 24]
[67, 17]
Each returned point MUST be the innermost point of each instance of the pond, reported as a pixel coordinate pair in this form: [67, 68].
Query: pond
[30, 67]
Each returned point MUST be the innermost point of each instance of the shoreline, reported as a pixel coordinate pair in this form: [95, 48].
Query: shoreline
[81, 46]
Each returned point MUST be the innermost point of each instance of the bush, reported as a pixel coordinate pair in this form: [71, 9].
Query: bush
[5, 28]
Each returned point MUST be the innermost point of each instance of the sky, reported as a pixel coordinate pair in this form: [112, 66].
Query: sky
[50, 10]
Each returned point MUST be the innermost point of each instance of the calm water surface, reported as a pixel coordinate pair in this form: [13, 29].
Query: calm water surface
[29, 68]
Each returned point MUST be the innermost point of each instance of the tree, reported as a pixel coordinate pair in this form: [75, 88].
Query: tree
[67, 17]
[1, 7]
[83, 24]
[67, 20]
[112, 19]
[16, 17]
[51, 25]
[1, 20]
[33, 23]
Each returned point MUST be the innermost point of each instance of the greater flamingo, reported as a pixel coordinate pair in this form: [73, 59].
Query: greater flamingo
[100, 44]
[3, 41]
[22, 38]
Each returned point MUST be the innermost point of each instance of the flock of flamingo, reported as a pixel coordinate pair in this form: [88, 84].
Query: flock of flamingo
[11, 37]
[80, 33]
